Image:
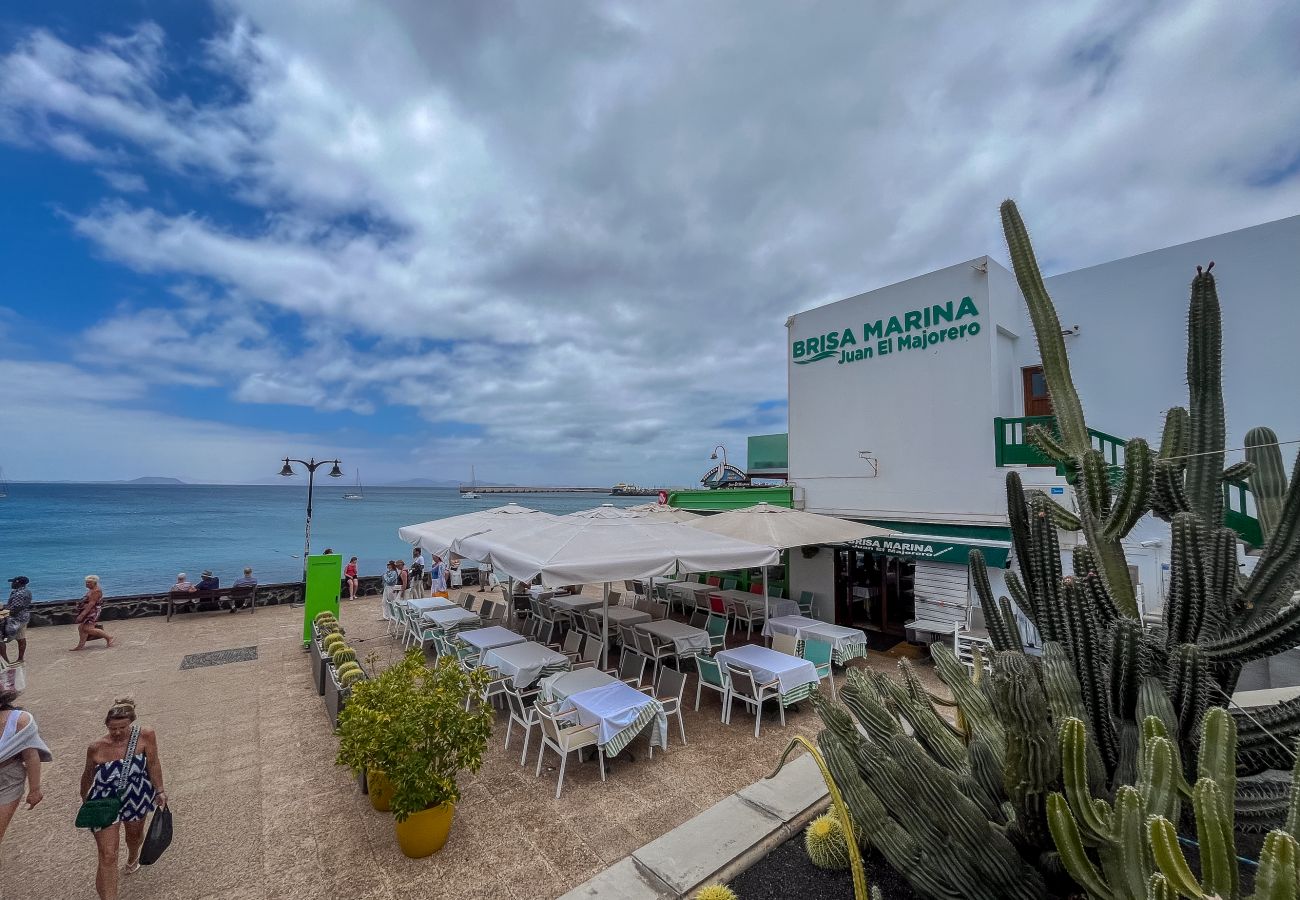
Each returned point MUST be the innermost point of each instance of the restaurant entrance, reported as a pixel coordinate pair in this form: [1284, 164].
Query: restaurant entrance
[873, 591]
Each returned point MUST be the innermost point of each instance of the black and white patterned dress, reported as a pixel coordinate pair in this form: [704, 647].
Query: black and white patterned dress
[138, 800]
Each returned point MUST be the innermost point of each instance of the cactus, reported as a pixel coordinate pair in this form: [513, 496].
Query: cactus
[350, 677]
[715, 892]
[323, 615]
[825, 843]
[1213, 620]
[342, 655]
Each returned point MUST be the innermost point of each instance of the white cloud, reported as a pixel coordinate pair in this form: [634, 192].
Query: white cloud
[580, 228]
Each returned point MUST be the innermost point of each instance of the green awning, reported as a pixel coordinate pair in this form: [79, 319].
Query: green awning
[929, 548]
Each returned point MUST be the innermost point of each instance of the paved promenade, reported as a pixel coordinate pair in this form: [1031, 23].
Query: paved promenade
[263, 812]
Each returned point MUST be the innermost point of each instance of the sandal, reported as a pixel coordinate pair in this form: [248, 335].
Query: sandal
[132, 867]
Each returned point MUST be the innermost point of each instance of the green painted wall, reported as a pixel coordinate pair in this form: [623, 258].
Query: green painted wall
[732, 498]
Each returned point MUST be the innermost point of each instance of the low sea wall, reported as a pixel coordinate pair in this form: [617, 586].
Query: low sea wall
[134, 606]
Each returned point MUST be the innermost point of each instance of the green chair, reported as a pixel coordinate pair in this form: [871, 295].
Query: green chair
[819, 654]
[713, 678]
[806, 603]
[729, 584]
[716, 626]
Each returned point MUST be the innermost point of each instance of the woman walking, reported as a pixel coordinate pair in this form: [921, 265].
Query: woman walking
[130, 746]
[350, 575]
[88, 615]
[21, 753]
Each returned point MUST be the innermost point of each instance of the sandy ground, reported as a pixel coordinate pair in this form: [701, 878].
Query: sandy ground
[262, 811]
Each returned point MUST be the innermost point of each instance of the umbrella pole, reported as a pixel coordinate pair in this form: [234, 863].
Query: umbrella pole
[766, 602]
[604, 642]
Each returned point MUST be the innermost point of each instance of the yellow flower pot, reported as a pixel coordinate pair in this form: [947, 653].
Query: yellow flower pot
[425, 832]
[380, 788]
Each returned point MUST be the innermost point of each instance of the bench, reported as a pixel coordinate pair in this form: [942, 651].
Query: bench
[245, 595]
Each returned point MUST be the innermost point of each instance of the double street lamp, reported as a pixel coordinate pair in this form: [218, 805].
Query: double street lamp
[312, 465]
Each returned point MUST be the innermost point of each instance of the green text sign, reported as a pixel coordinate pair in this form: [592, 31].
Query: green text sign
[917, 329]
[918, 547]
[324, 575]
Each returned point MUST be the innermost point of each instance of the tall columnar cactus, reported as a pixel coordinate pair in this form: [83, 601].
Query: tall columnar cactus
[1214, 620]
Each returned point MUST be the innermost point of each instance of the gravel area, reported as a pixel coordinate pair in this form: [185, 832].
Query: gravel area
[787, 872]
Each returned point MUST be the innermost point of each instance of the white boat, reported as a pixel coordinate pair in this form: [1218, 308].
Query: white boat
[357, 494]
[473, 483]
[4, 485]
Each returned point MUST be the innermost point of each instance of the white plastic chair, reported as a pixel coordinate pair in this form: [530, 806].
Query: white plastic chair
[668, 690]
[565, 739]
[522, 710]
[785, 643]
[746, 689]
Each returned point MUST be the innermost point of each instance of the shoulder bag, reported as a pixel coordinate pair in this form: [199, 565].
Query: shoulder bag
[103, 812]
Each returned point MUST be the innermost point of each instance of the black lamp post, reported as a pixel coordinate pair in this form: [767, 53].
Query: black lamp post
[312, 465]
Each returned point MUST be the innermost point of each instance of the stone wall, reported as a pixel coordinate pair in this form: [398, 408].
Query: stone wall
[134, 606]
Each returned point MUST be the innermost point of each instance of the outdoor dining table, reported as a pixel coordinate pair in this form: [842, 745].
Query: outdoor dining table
[537, 590]
[488, 638]
[428, 604]
[452, 619]
[574, 603]
[625, 615]
[686, 639]
[690, 589]
[795, 677]
[560, 685]
[619, 713]
[846, 643]
[525, 662]
[776, 606]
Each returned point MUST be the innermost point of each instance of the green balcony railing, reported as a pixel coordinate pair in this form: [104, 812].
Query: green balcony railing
[1010, 448]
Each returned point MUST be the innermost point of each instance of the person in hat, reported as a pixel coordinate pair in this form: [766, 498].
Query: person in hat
[19, 607]
[208, 582]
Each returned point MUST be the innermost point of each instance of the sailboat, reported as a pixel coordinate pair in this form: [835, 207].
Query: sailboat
[355, 495]
[473, 483]
[4, 485]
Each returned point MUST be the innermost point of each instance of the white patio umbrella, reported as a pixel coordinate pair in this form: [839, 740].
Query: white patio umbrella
[646, 512]
[782, 528]
[580, 550]
[440, 535]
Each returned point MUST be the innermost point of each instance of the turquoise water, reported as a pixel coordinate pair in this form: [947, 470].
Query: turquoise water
[137, 537]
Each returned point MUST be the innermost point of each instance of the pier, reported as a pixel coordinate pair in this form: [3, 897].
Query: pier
[524, 489]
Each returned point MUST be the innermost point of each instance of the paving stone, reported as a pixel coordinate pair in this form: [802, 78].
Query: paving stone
[690, 853]
[621, 881]
[796, 787]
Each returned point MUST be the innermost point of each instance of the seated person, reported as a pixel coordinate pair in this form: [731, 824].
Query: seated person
[208, 582]
[183, 586]
[248, 582]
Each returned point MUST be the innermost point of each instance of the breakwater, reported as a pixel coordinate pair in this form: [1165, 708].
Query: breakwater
[135, 606]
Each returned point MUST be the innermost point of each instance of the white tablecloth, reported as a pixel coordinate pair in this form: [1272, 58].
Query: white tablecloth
[776, 606]
[571, 602]
[427, 604]
[688, 588]
[625, 615]
[487, 638]
[444, 618]
[616, 709]
[537, 590]
[806, 629]
[524, 662]
[685, 638]
[561, 685]
[770, 665]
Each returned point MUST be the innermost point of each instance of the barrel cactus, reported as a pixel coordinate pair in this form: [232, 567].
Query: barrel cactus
[342, 655]
[349, 677]
[825, 843]
[332, 640]
[716, 892]
[323, 615]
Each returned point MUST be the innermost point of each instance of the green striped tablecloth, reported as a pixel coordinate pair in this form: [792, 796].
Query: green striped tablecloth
[793, 696]
[619, 713]
[842, 653]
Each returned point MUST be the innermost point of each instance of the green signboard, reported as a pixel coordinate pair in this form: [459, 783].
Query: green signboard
[927, 549]
[917, 329]
[324, 577]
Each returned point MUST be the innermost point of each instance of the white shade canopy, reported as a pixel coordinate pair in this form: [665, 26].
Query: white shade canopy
[441, 535]
[654, 512]
[782, 528]
[580, 550]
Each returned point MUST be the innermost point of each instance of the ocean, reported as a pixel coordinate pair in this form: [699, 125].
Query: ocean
[138, 537]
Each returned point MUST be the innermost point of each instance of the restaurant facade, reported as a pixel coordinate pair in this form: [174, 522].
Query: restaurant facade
[908, 405]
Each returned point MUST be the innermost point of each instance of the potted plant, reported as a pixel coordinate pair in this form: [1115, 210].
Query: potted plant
[411, 725]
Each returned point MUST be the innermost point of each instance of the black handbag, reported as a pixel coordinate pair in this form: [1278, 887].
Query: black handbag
[158, 838]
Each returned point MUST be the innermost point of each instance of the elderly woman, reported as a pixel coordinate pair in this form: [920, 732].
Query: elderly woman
[21, 753]
[92, 604]
[127, 754]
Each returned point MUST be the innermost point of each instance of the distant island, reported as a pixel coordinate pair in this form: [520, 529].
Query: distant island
[151, 479]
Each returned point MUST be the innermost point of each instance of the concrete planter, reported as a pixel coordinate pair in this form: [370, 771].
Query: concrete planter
[318, 665]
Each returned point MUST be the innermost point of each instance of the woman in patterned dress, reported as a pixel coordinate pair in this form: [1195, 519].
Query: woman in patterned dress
[88, 615]
[144, 789]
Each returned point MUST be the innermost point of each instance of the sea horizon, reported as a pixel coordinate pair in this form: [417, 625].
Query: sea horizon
[138, 537]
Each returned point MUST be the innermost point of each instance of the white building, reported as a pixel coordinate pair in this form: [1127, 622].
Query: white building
[907, 406]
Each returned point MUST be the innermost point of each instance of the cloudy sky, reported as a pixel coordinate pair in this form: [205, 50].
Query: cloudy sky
[557, 240]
